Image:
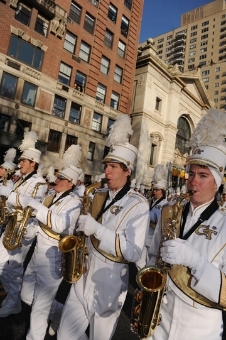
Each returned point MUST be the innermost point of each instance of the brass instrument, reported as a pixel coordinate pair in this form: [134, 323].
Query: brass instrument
[3, 208]
[73, 247]
[17, 224]
[152, 279]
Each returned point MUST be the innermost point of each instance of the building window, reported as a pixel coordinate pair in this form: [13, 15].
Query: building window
[106, 151]
[216, 85]
[69, 42]
[114, 100]
[64, 75]
[191, 60]
[205, 73]
[193, 34]
[104, 65]
[118, 74]
[153, 154]
[108, 38]
[217, 69]
[124, 26]
[206, 29]
[205, 23]
[110, 123]
[121, 49]
[75, 12]
[75, 113]
[217, 77]
[203, 43]
[80, 81]
[215, 100]
[70, 140]
[216, 93]
[193, 40]
[205, 36]
[112, 12]
[202, 50]
[29, 94]
[54, 141]
[205, 79]
[202, 63]
[192, 46]
[160, 40]
[23, 13]
[191, 67]
[91, 151]
[84, 52]
[207, 87]
[203, 56]
[4, 122]
[42, 25]
[22, 126]
[169, 37]
[191, 53]
[158, 104]
[59, 106]
[159, 46]
[8, 86]
[183, 135]
[25, 52]
[96, 122]
[194, 27]
[101, 93]
[128, 3]
[89, 23]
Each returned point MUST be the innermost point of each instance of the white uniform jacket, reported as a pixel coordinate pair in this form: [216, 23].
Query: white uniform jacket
[103, 288]
[183, 318]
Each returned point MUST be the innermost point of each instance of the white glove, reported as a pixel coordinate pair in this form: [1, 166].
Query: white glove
[34, 204]
[90, 226]
[5, 191]
[24, 200]
[181, 252]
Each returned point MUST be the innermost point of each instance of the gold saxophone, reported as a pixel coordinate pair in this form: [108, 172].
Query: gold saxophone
[17, 224]
[152, 279]
[3, 208]
[73, 247]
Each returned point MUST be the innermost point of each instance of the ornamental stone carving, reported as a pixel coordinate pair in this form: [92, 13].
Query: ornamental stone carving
[13, 3]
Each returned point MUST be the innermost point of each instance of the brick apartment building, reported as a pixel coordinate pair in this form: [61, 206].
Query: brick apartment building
[66, 71]
[200, 42]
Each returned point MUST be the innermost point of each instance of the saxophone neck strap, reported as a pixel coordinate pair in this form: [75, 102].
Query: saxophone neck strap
[119, 195]
[205, 215]
[156, 202]
[20, 182]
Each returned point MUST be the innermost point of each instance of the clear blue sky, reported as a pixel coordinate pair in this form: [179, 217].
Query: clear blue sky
[161, 16]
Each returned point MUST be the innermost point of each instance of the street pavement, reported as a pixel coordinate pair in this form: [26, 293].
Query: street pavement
[15, 327]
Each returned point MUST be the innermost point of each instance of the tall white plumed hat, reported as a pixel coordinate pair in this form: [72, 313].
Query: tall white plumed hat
[71, 158]
[50, 176]
[28, 147]
[208, 144]
[121, 151]
[8, 160]
[159, 177]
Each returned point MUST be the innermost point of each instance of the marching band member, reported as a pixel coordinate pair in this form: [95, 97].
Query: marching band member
[7, 167]
[11, 261]
[115, 239]
[197, 285]
[55, 217]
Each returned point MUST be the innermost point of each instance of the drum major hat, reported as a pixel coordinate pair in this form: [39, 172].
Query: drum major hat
[158, 180]
[208, 143]
[71, 158]
[121, 151]
[8, 160]
[28, 147]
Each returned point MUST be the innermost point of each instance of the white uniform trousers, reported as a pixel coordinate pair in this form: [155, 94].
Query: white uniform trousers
[76, 321]
[40, 284]
[12, 270]
[182, 321]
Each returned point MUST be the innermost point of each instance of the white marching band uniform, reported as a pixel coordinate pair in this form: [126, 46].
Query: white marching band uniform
[11, 262]
[187, 313]
[98, 297]
[43, 274]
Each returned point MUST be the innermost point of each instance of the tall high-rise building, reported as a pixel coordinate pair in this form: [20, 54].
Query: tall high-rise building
[200, 43]
[66, 71]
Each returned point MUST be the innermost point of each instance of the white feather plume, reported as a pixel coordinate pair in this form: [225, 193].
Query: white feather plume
[120, 131]
[40, 169]
[10, 155]
[159, 173]
[72, 155]
[50, 174]
[211, 130]
[133, 183]
[30, 138]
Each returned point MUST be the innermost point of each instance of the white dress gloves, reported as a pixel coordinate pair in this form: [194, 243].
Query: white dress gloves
[5, 191]
[181, 252]
[90, 226]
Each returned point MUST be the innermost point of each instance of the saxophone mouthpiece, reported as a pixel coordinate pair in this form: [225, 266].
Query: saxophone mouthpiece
[192, 192]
